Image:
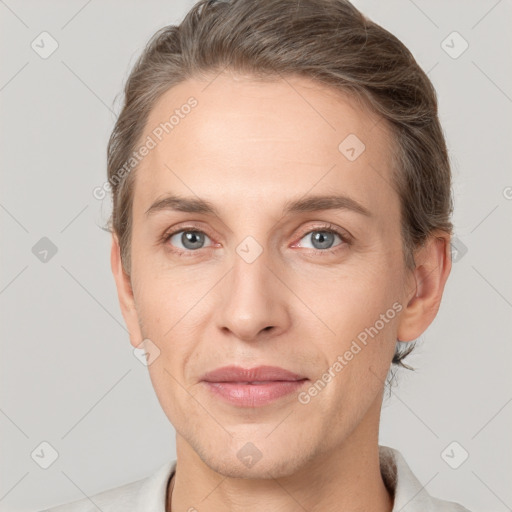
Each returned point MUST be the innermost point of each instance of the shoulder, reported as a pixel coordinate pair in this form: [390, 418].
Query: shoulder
[447, 506]
[107, 501]
[409, 493]
[146, 494]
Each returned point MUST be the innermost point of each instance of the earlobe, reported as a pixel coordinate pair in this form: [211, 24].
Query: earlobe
[429, 278]
[125, 293]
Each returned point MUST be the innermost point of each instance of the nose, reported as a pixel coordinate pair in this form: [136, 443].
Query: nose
[255, 301]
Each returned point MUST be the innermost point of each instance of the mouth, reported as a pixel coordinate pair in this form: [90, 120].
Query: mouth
[248, 375]
[257, 382]
[252, 387]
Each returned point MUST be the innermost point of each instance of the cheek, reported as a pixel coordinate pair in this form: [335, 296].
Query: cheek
[164, 295]
[351, 299]
[361, 313]
[169, 305]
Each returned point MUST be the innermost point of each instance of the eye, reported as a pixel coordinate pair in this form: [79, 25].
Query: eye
[323, 239]
[190, 239]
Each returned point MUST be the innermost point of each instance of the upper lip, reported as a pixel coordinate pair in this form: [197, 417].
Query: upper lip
[260, 373]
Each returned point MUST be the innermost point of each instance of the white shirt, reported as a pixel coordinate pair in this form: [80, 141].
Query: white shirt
[148, 494]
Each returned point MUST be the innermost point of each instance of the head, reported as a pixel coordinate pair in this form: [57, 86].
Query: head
[242, 128]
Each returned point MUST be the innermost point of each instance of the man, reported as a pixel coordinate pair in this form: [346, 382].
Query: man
[281, 217]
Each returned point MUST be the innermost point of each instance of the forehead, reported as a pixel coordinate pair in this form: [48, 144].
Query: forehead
[246, 140]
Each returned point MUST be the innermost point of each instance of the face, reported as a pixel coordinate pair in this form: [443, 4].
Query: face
[269, 276]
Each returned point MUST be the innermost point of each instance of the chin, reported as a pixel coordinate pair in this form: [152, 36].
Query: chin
[253, 463]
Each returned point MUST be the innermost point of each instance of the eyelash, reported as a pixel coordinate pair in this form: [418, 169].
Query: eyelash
[346, 240]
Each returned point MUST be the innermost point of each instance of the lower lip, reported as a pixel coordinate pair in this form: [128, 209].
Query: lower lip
[254, 395]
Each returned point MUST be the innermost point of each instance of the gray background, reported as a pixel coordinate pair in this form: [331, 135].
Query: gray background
[68, 373]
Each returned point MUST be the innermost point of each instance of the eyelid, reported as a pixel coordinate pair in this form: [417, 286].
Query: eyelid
[343, 234]
[189, 227]
[346, 240]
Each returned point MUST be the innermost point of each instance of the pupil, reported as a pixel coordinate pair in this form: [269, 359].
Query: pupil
[192, 239]
[321, 237]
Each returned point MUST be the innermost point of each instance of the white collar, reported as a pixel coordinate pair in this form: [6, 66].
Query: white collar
[410, 495]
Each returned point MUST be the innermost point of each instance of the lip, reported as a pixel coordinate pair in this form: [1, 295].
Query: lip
[252, 387]
[259, 373]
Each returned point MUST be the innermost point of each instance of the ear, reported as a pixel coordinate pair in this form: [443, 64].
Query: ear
[426, 286]
[125, 294]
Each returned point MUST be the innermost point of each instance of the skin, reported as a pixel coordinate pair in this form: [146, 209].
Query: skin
[248, 147]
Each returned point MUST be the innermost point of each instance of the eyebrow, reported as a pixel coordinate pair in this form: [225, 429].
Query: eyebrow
[307, 204]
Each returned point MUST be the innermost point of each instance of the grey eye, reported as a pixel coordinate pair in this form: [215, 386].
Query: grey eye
[321, 239]
[190, 240]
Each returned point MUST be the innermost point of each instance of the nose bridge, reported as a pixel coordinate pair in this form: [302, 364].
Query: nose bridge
[253, 300]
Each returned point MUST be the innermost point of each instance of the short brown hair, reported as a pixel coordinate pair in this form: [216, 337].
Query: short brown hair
[329, 41]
